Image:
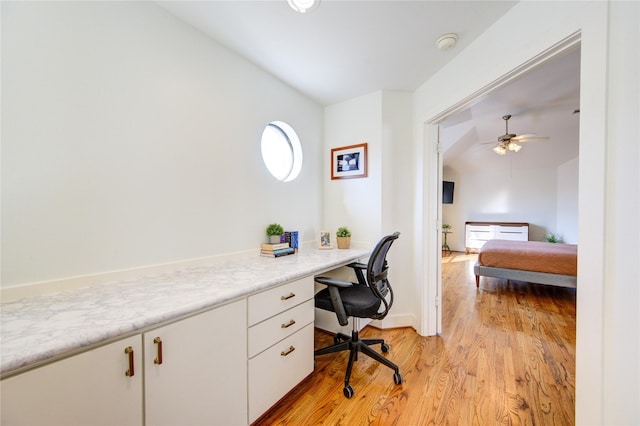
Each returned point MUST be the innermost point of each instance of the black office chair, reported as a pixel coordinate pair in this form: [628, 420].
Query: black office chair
[371, 297]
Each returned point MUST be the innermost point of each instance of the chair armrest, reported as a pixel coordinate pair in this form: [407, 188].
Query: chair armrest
[333, 282]
[357, 265]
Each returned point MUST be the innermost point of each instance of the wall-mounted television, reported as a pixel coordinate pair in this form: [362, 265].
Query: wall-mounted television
[447, 192]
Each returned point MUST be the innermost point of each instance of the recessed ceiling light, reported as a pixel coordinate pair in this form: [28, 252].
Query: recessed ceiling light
[447, 41]
[304, 6]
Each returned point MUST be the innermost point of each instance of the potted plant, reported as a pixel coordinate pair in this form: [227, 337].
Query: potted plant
[343, 237]
[274, 231]
[552, 238]
[446, 227]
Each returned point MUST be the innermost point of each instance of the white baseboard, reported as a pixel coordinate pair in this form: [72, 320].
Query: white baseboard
[396, 321]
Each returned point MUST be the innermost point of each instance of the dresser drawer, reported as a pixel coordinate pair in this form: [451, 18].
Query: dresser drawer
[514, 233]
[271, 302]
[274, 329]
[277, 370]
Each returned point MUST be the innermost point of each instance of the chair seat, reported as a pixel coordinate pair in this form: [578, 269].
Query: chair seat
[358, 301]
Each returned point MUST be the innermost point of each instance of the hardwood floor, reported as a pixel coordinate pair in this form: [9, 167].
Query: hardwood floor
[506, 356]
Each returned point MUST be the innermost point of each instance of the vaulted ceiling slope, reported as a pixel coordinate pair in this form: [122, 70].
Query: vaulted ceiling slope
[343, 49]
[543, 101]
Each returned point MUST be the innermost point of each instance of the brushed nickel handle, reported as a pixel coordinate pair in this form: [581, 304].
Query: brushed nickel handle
[158, 360]
[287, 325]
[288, 351]
[129, 351]
[287, 297]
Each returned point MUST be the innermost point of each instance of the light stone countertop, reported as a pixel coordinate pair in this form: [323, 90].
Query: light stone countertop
[42, 328]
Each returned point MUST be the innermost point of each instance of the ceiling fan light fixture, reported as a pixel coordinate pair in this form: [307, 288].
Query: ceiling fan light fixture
[514, 147]
[500, 150]
[304, 6]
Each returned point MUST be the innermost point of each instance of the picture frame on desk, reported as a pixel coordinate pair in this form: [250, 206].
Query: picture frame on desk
[349, 162]
[324, 240]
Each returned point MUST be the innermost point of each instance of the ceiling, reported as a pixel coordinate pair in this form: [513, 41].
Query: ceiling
[543, 102]
[345, 49]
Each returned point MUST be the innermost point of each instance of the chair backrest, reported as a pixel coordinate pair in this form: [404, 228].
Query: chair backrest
[377, 273]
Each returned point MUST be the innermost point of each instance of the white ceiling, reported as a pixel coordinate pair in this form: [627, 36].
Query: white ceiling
[343, 49]
[541, 102]
[346, 49]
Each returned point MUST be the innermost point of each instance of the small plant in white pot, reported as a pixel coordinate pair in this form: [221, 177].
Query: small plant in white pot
[274, 231]
[343, 237]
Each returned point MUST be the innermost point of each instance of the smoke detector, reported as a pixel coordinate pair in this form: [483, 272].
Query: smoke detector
[447, 41]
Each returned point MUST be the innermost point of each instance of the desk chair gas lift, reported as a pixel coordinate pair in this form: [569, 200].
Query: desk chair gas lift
[371, 297]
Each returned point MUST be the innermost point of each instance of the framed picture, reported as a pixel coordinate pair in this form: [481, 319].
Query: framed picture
[349, 162]
[324, 240]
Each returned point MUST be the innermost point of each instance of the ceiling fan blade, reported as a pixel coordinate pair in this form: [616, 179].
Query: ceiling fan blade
[530, 137]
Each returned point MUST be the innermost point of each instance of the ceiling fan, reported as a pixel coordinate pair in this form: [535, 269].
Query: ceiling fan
[509, 141]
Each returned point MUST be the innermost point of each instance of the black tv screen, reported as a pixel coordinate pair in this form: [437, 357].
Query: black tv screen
[447, 192]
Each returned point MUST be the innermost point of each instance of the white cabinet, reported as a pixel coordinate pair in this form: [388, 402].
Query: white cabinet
[478, 233]
[89, 388]
[280, 342]
[195, 373]
[196, 369]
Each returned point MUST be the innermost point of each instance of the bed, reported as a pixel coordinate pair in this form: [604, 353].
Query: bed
[529, 261]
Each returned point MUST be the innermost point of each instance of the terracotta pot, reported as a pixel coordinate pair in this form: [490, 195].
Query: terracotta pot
[343, 242]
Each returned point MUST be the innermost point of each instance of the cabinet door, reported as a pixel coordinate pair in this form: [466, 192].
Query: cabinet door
[202, 379]
[91, 388]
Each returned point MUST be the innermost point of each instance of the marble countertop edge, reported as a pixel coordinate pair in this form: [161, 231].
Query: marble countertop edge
[41, 329]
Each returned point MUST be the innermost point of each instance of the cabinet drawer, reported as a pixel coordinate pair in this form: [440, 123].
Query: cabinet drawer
[277, 370]
[274, 329]
[514, 233]
[271, 302]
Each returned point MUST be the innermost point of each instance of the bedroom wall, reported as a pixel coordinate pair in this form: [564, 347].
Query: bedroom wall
[567, 205]
[130, 139]
[530, 195]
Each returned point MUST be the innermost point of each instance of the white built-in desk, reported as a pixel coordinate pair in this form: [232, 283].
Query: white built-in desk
[209, 344]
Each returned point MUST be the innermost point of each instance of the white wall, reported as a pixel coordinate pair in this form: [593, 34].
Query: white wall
[545, 198]
[130, 139]
[567, 204]
[527, 195]
[382, 202]
[355, 203]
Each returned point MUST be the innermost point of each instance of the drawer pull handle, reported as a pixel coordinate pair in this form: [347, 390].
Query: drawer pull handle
[287, 297]
[287, 325]
[288, 351]
[129, 351]
[158, 359]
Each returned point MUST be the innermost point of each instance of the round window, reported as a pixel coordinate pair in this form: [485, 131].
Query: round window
[281, 151]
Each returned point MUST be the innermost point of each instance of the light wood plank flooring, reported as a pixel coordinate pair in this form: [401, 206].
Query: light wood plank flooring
[506, 356]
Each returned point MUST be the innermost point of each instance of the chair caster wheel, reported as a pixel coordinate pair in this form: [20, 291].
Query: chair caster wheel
[336, 339]
[397, 378]
[348, 391]
[385, 348]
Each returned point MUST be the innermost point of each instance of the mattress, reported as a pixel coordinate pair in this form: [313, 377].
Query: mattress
[551, 258]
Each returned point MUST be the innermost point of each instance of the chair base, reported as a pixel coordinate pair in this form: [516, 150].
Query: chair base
[355, 345]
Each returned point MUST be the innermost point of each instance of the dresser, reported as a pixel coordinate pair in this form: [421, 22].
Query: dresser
[478, 233]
